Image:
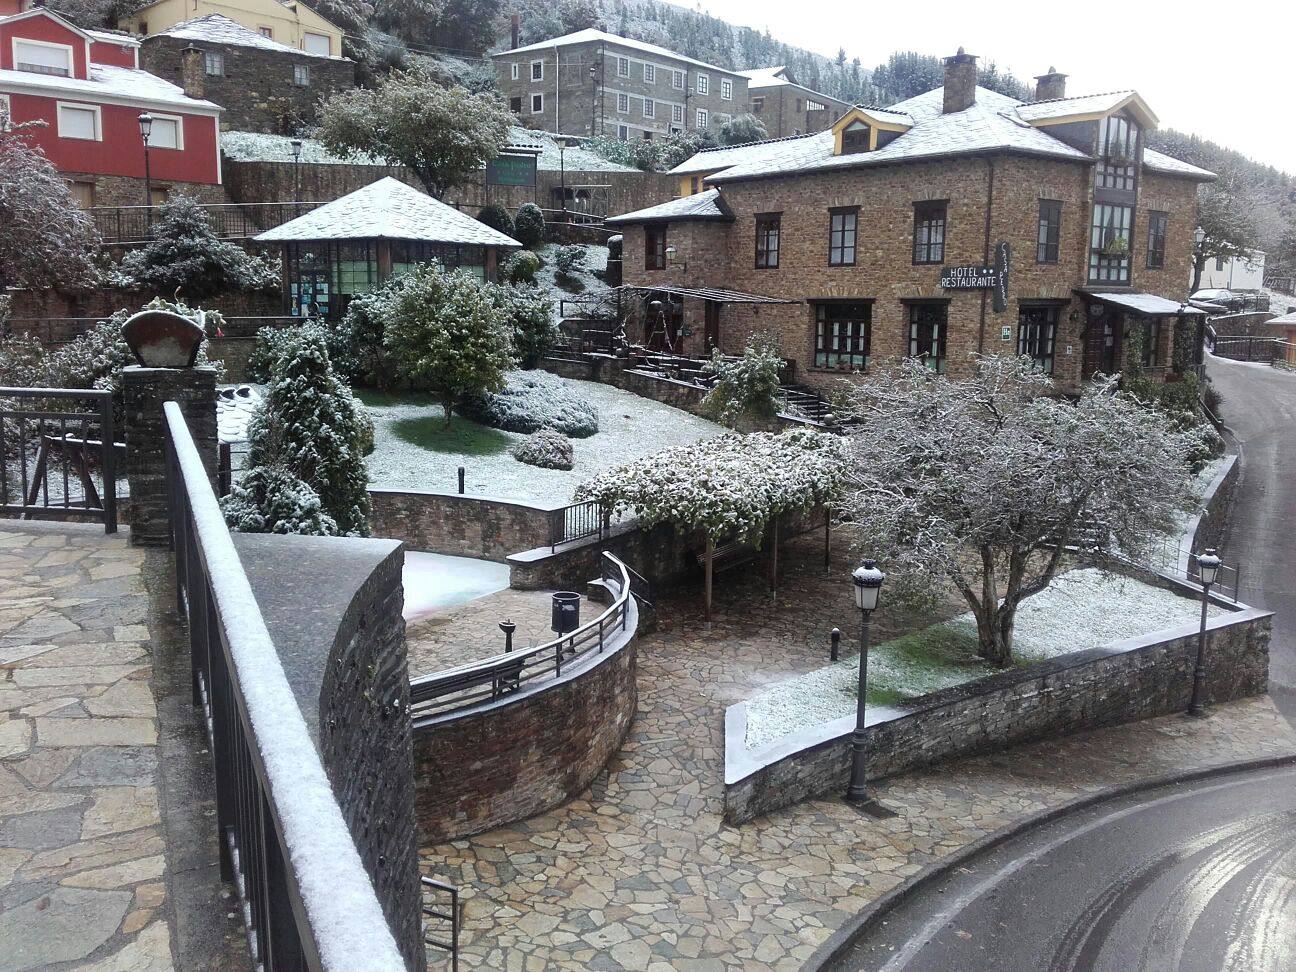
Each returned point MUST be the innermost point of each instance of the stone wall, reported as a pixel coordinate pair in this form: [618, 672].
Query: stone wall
[461, 525]
[32, 308]
[1250, 324]
[528, 752]
[1212, 526]
[233, 353]
[1122, 682]
[110, 190]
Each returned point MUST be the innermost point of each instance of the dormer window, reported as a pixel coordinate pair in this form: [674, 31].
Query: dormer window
[1117, 153]
[855, 138]
[39, 57]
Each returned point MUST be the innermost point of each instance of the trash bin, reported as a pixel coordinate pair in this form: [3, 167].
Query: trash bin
[566, 612]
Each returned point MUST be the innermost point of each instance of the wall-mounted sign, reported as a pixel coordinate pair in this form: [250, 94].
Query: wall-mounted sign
[993, 278]
[1002, 264]
[1005, 333]
[511, 170]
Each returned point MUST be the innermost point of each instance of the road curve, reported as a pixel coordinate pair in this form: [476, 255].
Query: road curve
[1197, 877]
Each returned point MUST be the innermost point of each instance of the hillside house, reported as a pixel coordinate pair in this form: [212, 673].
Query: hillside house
[786, 107]
[956, 222]
[287, 22]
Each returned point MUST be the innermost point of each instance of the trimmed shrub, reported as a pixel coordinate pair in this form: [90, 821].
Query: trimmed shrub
[531, 318]
[521, 267]
[569, 259]
[270, 499]
[547, 449]
[496, 217]
[530, 401]
[529, 227]
[746, 390]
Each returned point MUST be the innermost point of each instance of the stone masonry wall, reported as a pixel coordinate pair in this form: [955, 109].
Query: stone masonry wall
[110, 190]
[1100, 687]
[525, 754]
[33, 308]
[461, 525]
[366, 746]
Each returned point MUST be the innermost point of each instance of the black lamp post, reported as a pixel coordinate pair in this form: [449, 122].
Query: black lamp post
[296, 144]
[868, 586]
[146, 128]
[593, 73]
[1208, 565]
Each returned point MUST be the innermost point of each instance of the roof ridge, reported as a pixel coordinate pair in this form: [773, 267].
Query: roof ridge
[759, 141]
[890, 111]
[1092, 94]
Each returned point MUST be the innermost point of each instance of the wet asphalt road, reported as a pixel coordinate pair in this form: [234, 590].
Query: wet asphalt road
[1189, 878]
[1259, 410]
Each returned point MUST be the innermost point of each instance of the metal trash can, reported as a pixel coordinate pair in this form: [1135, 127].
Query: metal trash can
[566, 612]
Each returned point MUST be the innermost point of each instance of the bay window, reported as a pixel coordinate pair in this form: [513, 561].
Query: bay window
[843, 334]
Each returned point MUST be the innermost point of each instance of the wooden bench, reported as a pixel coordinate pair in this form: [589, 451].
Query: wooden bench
[728, 555]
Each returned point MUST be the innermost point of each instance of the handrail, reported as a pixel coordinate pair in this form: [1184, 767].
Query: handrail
[476, 683]
[308, 900]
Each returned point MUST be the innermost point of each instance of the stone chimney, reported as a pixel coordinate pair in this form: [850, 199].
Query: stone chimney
[192, 76]
[515, 28]
[960, 82]
[1050, 86]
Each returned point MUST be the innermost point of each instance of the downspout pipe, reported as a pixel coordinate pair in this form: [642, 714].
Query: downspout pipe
[985, 250]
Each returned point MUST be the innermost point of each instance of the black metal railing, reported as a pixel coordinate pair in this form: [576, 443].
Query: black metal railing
[578, 521]
[441, 926]
[229, 221]
[477, 683]
[1247, 348]
[307, 901]
[59, 460]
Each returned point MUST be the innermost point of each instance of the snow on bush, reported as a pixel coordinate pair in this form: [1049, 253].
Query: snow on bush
[730, 486]
[530, 401]
[530, 316]
[521, 268]
[745, 390]
[547, 449]
[496, 217]
[270, 499]
[529, 226]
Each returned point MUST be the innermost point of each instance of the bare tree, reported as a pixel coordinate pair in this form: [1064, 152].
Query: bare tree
[982, 480]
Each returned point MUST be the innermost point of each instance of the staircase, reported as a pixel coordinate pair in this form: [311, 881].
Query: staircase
[808, 403]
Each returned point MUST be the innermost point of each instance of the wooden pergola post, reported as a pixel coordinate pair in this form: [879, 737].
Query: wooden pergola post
[773, 553]
[827, 537]
[710, 560]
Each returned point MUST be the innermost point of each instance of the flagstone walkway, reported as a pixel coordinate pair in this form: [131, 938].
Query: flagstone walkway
[640, 873]
[82, 850]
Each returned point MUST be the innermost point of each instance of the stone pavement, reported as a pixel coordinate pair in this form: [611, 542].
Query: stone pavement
[641, 873]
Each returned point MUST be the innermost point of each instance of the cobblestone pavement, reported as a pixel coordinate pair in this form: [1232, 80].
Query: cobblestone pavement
[82, 864]
[640, 872]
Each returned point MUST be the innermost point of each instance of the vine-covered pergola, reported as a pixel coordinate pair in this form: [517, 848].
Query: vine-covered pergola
[730, 488]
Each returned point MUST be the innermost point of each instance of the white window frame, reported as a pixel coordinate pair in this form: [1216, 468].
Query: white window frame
[623, 66]
[537, 76]
[179, 128]
[534, 102]
[328, 43]
[650, 73]
[702, 118]
[677, 114]
[649, 108]
[704, 84]
[79, 106]
[677, 79]
[217, 58]
[623, 103]
[515, 71]
[66, 48]
[266, 31]
[298, 75]
[726, 89]
[623, 132]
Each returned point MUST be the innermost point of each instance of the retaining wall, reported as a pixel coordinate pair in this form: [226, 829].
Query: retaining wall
[1128, 680]
[461, 525]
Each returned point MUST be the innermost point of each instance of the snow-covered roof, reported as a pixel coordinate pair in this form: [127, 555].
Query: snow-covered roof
[593, 35]
[388, 209]
[715, 159]
[1159, 162]
[574, 158]
[768, 77]
[261, 147]
[109, 84]
[1094, 104]
[701, 205]
[1143, 303]
[33, 12]
[113, 37]
[219, 29]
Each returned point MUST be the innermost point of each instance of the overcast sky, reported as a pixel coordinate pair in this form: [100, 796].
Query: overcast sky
[1225, 71]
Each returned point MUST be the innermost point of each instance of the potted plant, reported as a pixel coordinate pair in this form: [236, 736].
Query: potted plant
[1117, 246]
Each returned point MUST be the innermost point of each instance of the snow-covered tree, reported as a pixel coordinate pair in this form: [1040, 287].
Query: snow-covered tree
[530, 316]
[1227, 222]
[271, 499]
[742, 128]
[982, 480]
[745, 390]
[529, 225]
[46, 240]
[447, 334]
[310, 425]
[443, 135]
[184, 256]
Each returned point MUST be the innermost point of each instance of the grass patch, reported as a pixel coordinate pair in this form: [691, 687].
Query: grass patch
[924, 661]
[381, 399]
[463, 437]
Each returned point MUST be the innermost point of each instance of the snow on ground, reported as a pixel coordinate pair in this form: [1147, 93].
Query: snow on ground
[629, 427]
[1081, 609]
[436, 581]
[596, 258]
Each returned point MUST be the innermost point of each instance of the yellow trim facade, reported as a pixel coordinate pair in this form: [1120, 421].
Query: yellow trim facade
[875, 125]
[1134, 103]
[287, 23]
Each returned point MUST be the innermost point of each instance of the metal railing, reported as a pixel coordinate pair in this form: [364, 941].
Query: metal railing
[578, 521]
[1247, 348]
[59, 461]
[229, 221]
[467, 686]
[437, 922]
[307, 901]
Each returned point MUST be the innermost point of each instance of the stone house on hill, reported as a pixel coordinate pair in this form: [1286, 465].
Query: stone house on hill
[287, 22]
[263, 85]
[956, 222]
[786, 107]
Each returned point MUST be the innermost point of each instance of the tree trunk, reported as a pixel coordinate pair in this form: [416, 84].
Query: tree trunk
[1199, 267]
[994, 634]
[447, 405]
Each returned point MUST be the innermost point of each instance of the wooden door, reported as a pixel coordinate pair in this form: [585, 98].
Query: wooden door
[711, 310]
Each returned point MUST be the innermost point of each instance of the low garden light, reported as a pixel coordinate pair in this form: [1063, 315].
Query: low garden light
[1208, 567]
[867, 580]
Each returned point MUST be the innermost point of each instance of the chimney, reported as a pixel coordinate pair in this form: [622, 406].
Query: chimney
[191, 72]
[515, 28]
[1050, 86]
[960, 82]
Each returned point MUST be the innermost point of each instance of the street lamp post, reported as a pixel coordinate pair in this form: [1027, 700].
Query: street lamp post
[296, 154]
[868, 586]
[1208, 565]
[146, 128]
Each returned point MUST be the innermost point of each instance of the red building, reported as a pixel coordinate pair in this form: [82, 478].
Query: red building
[87, 88]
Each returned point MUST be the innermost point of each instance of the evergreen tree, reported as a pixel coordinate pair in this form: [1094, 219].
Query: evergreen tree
[270, 499]
[310, 425]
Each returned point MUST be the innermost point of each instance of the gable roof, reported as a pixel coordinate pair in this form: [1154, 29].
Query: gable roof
[727, 156]
[1086, 107]
[768, 77]
[1165, 164]
[51, 15]
[219, 29]
[593, 35]
[388, 209]
[706, 205]
[109, 84]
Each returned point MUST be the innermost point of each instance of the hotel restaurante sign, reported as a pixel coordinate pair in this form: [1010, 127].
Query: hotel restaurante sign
[982, 278]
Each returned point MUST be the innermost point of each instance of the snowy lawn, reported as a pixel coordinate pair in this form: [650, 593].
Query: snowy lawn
[436, 581]
[1081, 609]
[412, 449]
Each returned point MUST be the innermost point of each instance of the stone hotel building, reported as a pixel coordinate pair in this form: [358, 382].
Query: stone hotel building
[595, 83]
[955, 222]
